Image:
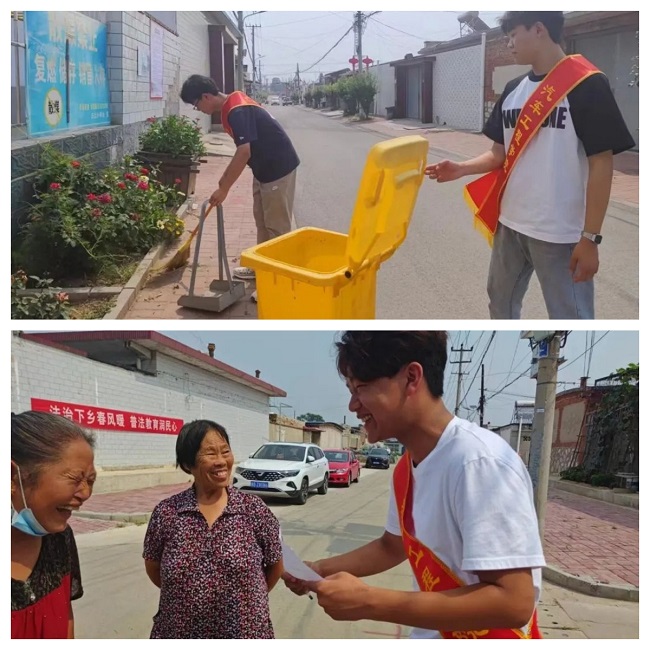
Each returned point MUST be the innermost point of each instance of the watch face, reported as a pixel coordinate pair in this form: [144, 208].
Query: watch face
[598, 239]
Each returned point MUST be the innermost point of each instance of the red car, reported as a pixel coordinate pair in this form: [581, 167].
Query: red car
[344, 467]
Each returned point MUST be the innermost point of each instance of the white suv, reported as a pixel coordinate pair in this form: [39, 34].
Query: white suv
[283, 469]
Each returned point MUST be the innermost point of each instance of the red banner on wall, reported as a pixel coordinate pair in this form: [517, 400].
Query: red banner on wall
[95, 417]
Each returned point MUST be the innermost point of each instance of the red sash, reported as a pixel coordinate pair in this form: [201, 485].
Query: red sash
[431, 573]
[483, 195]
[233, 100]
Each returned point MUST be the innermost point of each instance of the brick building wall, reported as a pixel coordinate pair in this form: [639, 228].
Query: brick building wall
[179, 391]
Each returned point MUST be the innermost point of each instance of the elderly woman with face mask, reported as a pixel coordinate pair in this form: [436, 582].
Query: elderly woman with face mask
[52, 474]
[213, 551]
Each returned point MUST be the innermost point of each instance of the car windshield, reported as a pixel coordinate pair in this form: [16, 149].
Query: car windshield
[379, 452]
[337, 456]
[280, 452]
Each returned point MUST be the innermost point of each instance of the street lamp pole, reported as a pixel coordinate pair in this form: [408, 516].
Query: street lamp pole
[280, 406]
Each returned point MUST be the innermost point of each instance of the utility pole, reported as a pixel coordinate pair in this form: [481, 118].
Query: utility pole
[254, 62]
[543, 422]
[481, 401]
[359, 44]
[460, 372]
[298, 83]
[240, 51]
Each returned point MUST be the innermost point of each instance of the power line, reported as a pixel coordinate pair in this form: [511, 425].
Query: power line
[585, 352]
[487, 347]
[398, 30]
[328, 51]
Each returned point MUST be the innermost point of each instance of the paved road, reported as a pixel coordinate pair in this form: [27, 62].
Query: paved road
[119, 600]
[440, 270]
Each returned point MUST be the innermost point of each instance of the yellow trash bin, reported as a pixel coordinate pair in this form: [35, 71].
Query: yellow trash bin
[314, 273]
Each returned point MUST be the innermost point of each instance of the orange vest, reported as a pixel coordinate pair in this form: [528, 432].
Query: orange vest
[431, 573]
[233, 100]
[483, 195]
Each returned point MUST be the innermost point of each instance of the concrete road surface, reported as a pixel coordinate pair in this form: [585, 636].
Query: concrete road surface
[119, 600]
[440, 270]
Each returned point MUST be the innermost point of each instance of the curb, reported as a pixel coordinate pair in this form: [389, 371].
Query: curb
[590, 587]
[126, 517]
[79, 294]
[131, 289]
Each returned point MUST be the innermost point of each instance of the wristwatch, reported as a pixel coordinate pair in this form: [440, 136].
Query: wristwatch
[592, 237]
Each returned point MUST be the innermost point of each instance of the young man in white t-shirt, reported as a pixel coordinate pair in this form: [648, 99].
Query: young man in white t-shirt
[472, 501]
[554, 204]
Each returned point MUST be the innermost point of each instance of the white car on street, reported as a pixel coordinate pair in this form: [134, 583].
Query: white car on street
[284, 469]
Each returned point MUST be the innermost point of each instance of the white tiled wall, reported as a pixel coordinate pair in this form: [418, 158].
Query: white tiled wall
[179, 391]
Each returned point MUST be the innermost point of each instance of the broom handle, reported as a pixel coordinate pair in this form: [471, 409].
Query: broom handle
[193, 233]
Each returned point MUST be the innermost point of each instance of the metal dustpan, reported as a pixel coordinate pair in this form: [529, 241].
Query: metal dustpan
[223, 293]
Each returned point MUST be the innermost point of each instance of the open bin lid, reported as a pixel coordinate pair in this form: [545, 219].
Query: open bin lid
[387, 194]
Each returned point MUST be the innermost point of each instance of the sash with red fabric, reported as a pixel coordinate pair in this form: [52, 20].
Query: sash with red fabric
[483, 195]
[234, 100]
[431, 573]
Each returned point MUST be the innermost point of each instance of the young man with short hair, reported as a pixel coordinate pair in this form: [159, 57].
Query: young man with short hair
[263, 145]
[548, 218]
[460, 510]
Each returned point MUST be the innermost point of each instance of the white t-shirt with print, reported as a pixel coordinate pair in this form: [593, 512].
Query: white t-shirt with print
[473, 507]
[545, 197]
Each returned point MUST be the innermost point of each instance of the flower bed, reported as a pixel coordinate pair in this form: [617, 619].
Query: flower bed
[86, 224]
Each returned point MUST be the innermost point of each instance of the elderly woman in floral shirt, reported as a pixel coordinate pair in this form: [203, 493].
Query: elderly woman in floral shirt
[213, 551]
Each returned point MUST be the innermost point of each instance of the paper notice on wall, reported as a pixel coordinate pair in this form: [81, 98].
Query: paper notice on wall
[294, 566]
[156, 63]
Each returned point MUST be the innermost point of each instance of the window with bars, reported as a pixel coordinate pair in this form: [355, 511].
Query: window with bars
[18, 101]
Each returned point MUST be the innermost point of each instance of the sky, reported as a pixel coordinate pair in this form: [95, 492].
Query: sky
[302, 363]
[286, 38]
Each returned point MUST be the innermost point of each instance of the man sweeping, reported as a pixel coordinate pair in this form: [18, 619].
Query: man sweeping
[263, 145]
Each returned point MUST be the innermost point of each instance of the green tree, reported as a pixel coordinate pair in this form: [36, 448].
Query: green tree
[364, 89]
[310, 417]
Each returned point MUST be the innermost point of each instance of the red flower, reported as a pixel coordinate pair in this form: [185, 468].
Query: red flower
[121, 185]
[135, 217]
[91, 197]
[177, 181]
[143, 186]
[144, 171]
[61, 296]
[75, 164]
[104, 198]
[151, 120]
[96, 213]
[130, 177]
[55, 186]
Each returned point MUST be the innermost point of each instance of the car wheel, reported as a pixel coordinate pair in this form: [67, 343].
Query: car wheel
[349, 481]
[356, 480]
[323, 488]
[301, 499]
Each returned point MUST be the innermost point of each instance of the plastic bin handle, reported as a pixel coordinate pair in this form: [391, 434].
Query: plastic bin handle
[371, 201]
[402, 178]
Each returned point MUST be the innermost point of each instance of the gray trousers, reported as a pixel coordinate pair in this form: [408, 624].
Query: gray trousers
[515, 257]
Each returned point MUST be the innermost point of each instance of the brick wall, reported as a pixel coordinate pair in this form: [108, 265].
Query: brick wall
[130, 93]
[179, 391]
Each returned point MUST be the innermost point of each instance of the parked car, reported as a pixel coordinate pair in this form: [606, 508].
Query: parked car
[287, 101]
[274, 101]
[344, 467]
[378, 457]
[284, 469]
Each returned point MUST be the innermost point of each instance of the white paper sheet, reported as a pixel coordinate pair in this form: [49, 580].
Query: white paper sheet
[294, 566]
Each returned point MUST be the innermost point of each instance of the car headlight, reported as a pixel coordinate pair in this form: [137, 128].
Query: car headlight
[292, 472]
[340, 471]
[238, 470]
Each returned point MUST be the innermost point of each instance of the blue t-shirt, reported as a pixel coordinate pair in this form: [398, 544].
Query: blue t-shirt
[272, 153]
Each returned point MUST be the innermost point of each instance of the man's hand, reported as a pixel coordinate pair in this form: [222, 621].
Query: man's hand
[219, 196]
[300, 587]
[445, 170]
[584, 261]
[343, 597]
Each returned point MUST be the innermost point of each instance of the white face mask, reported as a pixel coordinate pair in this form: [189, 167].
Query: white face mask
[25, 521]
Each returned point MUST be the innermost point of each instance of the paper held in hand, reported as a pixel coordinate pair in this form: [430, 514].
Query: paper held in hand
[294, 566]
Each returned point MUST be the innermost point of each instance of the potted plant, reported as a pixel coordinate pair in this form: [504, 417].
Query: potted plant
[174, 145]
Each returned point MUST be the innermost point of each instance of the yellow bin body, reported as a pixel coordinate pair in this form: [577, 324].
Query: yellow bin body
[312, 273]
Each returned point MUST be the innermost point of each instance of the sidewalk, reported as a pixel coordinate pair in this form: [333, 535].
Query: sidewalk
[594, 543]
